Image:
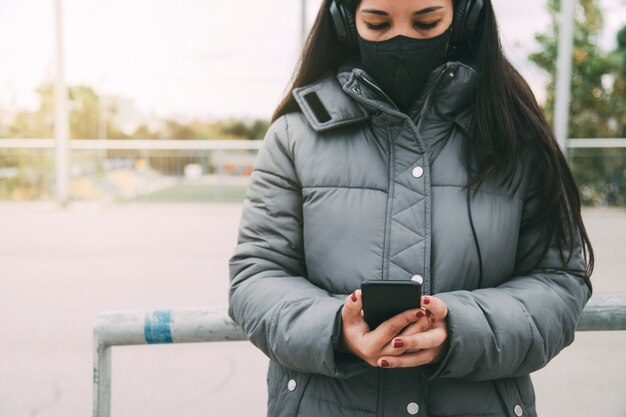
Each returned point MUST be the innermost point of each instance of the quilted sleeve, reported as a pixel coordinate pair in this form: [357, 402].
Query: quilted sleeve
[282, 313]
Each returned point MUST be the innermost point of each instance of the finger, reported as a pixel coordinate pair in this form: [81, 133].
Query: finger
[390, 328]
[408, 360]
[426, 340]
[351, 312]
[436, 306]
[398, 346]
[422, 324]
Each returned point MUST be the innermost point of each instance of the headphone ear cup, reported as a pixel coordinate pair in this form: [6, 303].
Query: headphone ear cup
[338, 22]
[473, 16]
[343, 21]
[353, 40]
[458, 25]
[467, 14]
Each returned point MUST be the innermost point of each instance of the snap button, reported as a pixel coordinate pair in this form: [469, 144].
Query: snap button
[291, 385]
[412, 408]
[356, 89]
[418, 172]
[417, 278]
[518, 410]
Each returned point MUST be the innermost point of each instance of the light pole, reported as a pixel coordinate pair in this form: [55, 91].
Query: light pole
[103, 102]
[303, 25]
[61, 125]
[564, 72]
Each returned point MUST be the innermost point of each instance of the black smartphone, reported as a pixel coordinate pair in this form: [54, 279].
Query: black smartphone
[383, 299]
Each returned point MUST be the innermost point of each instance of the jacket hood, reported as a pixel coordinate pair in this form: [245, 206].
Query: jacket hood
[350, 95]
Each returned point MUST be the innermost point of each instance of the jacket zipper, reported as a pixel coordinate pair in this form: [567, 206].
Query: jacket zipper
[395, 111]
[392, 190]
[380, 397]
[418, 135]
[386, 246]
[430, 94]
[354, 94]
[375, 87]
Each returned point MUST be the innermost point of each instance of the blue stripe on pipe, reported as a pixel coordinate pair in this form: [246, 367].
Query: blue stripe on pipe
[157, 327]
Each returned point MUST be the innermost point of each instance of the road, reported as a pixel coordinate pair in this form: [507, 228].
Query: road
[60, 268]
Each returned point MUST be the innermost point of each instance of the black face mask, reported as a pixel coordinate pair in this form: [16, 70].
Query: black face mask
[400, 64]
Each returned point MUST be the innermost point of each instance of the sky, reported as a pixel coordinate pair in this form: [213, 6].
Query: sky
[200, 58]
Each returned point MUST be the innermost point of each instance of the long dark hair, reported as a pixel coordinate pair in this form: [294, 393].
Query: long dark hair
[508, 134]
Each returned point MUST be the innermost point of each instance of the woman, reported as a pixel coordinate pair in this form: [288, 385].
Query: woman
[409, 148]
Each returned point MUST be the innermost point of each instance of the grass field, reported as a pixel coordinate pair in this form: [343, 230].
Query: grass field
[196, 193]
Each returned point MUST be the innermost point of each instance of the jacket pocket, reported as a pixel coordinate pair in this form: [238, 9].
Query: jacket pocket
[525, 389]
[516, 400]
[285, 390]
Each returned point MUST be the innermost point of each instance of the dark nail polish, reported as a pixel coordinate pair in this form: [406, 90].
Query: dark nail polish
[353, 297]
[420, 314]
[426, 300]
[428, 313]
[398, 343]
[384, 363]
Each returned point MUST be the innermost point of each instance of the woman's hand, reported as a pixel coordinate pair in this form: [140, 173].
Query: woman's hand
[416, 346]
[366, 344]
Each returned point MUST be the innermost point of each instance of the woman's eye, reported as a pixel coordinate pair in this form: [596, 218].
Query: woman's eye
[380, 26]
[427, 26]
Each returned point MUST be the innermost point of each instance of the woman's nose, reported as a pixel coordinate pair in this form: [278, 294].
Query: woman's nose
[403, 30]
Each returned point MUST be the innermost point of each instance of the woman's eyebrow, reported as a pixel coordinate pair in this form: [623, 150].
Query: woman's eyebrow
[419, 12]
[428, 10]
[374, 11]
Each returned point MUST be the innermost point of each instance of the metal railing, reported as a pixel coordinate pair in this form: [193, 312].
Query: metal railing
[154, 170]
[139, 144]
[120, 328]
[218, 144]
[128, 170]
[597, 143]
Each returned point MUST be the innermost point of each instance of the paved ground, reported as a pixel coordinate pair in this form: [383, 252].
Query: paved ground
[58, 269]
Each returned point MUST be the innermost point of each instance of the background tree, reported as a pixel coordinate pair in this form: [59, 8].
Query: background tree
[84, 115]
[249, 130]
[598, 101]
[618, 90]
[589, 110]
[37, 124]
[85, 112]
[26, 173]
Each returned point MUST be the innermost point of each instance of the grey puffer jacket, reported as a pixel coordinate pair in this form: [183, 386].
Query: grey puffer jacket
[350, 189]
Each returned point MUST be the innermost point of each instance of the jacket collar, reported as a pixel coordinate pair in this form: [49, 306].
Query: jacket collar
[351, 95]
[326, 106]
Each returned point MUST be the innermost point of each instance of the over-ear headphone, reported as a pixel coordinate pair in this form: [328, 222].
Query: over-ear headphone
[342, 13]
[467, 14]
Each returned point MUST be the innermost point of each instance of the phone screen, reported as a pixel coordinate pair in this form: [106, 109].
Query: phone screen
[383, 299]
